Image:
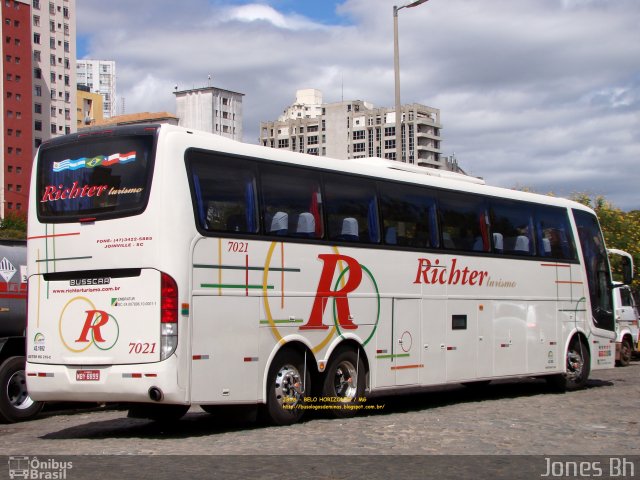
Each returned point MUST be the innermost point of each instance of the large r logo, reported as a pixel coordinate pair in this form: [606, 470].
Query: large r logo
[89, 325]
[324, 292]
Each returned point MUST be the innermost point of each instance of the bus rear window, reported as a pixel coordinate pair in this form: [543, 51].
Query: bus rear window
[97, 177]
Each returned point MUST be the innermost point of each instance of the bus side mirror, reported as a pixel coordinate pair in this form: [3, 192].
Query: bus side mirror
[627, 270]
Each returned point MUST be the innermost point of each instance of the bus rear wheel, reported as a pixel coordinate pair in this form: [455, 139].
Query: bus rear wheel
[578, 368]
[288, 381]
[15, 402]
[344, 384]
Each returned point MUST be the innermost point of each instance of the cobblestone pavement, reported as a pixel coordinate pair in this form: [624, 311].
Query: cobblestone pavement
[510, 418]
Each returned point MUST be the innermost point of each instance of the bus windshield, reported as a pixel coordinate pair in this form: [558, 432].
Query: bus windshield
[98, 178]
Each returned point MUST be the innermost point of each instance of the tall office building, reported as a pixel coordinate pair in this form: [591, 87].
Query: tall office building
[100, 77]
[54, 68]
[211, 109]
[355, 129]
[16, 120]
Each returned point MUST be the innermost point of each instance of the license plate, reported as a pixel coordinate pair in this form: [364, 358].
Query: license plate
[87, 375]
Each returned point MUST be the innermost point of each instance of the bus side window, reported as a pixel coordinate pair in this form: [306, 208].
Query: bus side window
[351, 207]
[463, 222]
[512, 224]
[554, 233]
[291, 202]
[223, 193]
[408, 216]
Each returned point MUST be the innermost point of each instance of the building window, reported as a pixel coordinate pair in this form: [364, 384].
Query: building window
[36, 21]
[52, 26]
[36, 4]
[358, 147]
[37, 107]
[37, 73]
[52, 43]
[389, 131]
[36, 55]
[38, 91]
[54, 128]
[358, 134]
[52, 60]
[37, 126]
[312, 140]
[389, 144]
[283, 143]
[36, 38]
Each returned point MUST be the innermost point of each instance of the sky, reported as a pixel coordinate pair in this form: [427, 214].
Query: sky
[542, 94]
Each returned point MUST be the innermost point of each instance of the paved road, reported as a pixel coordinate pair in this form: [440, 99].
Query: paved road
[504, 418]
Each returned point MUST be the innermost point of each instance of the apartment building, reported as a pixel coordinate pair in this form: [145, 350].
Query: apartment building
[100, 77]
[89, 109]
[54, 68]
[16, 140]
[210, 109]
[355, 129]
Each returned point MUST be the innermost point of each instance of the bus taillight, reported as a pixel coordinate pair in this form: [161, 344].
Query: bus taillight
[168, 316]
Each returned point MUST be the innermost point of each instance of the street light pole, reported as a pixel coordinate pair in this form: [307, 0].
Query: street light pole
[396, 68]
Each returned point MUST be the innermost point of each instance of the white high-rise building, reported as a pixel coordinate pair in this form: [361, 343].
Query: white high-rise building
[100, 77]
[53, 25]
[356, 129]
[211, 109]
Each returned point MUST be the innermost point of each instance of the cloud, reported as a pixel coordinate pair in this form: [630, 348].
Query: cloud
[256, 12]
[543, 93]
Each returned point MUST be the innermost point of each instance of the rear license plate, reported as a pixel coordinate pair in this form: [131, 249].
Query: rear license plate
[87, 375]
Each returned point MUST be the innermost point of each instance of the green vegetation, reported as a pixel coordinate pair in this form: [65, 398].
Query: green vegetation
[13, 227]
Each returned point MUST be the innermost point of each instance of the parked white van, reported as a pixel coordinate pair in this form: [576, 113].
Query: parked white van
[626, 325]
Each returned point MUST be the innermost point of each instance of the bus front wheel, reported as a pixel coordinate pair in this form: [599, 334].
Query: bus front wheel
[288, 382]
[578, 368]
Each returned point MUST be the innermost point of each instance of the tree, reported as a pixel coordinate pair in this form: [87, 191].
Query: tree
[13, 226]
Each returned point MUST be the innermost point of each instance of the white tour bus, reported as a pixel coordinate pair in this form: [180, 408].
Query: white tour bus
[170, 268]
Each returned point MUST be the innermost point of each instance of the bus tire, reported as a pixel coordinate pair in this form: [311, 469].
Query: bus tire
[287, 384]
[157, 412]
[345, 380]
[15, 402]
[578, 368]
[625, 352]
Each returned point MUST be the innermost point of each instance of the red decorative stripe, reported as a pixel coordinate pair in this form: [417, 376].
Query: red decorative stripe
[53, 236]
[404, 367]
